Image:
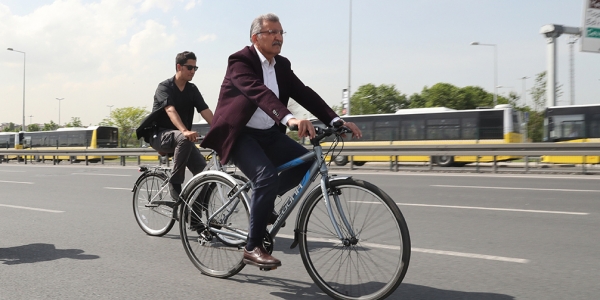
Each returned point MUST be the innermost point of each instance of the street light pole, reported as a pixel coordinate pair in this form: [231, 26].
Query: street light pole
[24, 59]
[59, 99]
[109, 109]
[524, 90]
[495, 68]
[349, 57]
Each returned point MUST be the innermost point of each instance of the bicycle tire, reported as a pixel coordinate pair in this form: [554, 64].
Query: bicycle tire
[153, 220]
[207, 250]
[370, 267]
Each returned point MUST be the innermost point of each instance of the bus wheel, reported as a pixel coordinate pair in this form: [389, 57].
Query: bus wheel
[445, 161]
[359, 163]
[341, 160]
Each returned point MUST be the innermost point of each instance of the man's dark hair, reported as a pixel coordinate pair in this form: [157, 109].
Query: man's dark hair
[183, 57]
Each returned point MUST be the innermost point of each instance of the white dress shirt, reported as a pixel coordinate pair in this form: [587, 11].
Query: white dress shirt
[260, 119]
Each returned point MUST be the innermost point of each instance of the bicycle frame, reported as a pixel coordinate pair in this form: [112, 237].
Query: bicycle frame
[318, 167]
[213, 163]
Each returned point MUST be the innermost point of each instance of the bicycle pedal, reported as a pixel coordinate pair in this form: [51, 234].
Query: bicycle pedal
[267, 269]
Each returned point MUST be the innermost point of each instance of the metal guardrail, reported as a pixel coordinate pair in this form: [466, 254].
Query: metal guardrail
[518, 149]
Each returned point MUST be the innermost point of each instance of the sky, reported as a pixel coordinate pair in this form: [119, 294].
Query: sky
[102, 55]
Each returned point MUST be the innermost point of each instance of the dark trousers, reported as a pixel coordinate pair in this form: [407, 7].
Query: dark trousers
[185, 153]
[257, 153]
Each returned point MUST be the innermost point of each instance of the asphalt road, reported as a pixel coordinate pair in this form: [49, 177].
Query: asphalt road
[68, 232]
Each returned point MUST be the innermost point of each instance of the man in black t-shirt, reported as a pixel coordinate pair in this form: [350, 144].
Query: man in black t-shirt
[174, 103]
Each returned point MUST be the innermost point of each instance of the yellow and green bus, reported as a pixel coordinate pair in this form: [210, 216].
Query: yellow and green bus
[436, 126]
[572, 124]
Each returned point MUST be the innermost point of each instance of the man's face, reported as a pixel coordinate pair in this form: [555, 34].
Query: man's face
[184, 71]
[269, 44]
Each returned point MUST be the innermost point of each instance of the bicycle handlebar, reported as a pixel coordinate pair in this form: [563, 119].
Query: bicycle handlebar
[338, 128]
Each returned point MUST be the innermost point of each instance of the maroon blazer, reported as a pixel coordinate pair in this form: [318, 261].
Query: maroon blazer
[243, 91]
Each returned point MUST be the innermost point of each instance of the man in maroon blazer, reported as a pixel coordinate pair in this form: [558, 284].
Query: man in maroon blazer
[248, 126]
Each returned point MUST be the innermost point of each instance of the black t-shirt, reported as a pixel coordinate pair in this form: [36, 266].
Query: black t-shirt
[184, 102]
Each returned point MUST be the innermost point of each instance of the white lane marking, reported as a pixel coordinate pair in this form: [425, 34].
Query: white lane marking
[32, 208]
[423, 250]
[117, 188]
[8, 171]
[534, 176]
[487, 208]
[512, 188]
[472, 255]
[98, 174]
[495, 208]
[19, 182]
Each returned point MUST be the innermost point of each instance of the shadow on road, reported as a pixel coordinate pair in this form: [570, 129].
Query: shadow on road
[293, 289]
[34, 253]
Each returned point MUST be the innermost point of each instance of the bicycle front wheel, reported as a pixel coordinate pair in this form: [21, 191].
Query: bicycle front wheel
[372, 258]
[155, 220]
[213, 241]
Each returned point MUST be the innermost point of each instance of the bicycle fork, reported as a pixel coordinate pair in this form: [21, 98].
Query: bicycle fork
[326, 192]
[342, 215]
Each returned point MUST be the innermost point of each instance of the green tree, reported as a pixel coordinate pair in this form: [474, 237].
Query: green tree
[33, 127]
[535, 126]
[447, 95]
[371, 99]
[75, 122]
[50, 126]
[127, 120]
[11, 128]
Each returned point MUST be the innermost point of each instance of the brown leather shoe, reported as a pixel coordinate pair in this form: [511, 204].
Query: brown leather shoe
[261, 258]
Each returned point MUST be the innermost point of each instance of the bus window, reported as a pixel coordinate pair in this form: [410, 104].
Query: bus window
[595, 126]
[566, 127]
[443, 129]
[106, 137]
[63, 139]
[469, 129]
[491, 125]
[75, 139]
[385, 130]
[412, 130]
[367, 130]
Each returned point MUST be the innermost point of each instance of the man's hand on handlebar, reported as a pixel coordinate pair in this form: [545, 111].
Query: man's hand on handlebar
[305, 127]
[356, 133]
[190, 135]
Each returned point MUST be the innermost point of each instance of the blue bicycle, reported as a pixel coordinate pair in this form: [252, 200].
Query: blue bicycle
[353, 238]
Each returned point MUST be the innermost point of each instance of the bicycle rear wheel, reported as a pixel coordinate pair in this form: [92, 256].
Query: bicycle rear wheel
[207, 245]
[155, 220]
[369, 265]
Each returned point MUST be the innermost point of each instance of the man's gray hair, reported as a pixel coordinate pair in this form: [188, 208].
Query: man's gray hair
[258, 23]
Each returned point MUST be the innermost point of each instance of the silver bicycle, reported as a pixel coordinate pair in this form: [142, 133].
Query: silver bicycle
[354, 241]
[152, 204]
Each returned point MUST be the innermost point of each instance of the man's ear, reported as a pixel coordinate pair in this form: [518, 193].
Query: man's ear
[254, 37]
